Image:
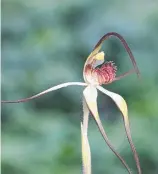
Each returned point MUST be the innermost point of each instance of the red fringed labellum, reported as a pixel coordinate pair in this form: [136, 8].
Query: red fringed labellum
[103, 75]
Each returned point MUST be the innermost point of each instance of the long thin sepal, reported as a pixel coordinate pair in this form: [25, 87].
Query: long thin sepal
[86, 153]
[90, 94]
[122, 106]
[46, 91]
[123, 41]
[106, 36]
[85, 116]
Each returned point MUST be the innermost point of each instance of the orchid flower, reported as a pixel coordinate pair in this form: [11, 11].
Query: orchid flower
[94, 77]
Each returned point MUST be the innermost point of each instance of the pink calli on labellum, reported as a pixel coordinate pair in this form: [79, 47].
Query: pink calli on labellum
[103, 75]
[94, 77]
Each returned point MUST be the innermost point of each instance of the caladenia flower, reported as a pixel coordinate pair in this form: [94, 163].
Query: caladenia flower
[95, 74]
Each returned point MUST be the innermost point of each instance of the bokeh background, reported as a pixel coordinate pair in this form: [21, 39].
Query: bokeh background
[46, 42]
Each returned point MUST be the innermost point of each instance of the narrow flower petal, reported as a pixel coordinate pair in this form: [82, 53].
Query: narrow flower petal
[122, 106]
[90, 94]
[47, 91]
[124, 75]
[86, 154]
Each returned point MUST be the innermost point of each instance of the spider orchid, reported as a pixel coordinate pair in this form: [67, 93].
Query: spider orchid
[94, 77]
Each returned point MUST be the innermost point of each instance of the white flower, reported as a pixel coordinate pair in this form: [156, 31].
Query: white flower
[94, 77]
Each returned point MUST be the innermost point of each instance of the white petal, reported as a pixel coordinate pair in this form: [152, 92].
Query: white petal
[47, 91]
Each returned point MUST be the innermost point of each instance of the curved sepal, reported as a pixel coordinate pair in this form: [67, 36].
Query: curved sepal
[122, 106]
[98, 46]
[86, 153]
[90, 94]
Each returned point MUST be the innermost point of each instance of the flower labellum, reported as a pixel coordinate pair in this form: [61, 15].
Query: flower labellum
[103, 75]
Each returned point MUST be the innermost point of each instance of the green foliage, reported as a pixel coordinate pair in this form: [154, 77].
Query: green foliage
[45, 43]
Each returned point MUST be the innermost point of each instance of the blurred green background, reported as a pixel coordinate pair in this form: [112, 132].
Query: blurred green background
[46, 42]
